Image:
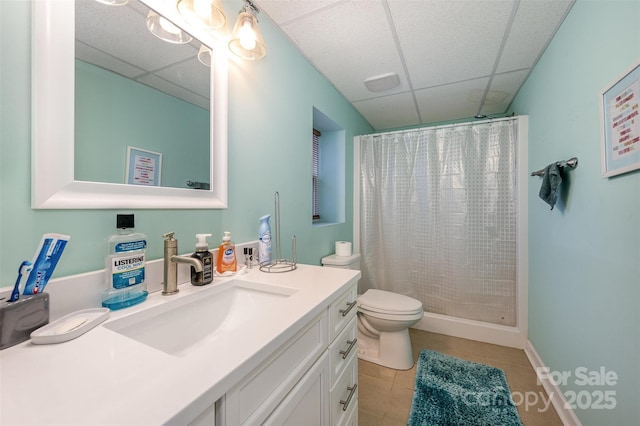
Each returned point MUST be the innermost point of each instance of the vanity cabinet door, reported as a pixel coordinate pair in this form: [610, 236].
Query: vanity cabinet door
[206, 418]
[307, 403]
[256, 396]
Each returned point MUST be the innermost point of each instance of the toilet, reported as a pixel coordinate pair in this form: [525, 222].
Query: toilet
[384, 319]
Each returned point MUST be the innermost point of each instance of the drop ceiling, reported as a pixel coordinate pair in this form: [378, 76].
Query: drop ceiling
[454, 59]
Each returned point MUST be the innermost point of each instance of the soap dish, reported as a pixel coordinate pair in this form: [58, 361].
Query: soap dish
[69, 326]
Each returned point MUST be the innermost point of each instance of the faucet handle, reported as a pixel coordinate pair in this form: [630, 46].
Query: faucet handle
[169, 241]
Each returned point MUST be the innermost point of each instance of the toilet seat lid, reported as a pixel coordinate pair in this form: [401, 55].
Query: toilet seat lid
[388, 302]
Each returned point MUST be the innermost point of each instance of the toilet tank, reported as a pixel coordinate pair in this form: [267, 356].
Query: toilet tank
[342, 262]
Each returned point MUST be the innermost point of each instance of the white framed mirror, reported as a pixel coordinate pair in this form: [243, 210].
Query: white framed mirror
[54, 185]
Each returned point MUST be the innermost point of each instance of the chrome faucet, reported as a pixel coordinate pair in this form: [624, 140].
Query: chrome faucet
[171, 259]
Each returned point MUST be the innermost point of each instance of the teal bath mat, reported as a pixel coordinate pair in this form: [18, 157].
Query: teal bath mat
[452, 391]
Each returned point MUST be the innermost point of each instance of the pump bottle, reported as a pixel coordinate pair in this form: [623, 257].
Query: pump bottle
[226, 255]
[204, 255]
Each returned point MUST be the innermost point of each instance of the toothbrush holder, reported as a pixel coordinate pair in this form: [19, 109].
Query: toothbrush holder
[18, 319]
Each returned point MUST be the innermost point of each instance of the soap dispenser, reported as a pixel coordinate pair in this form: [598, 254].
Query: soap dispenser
[226, 255]
[204, 255]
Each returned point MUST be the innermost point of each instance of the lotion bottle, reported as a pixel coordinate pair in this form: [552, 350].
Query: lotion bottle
[226, 255]
[206, 258]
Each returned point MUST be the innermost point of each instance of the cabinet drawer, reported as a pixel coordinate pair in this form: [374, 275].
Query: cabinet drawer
[344, 395]
[342, 311]
[343, 349]
[251, 401]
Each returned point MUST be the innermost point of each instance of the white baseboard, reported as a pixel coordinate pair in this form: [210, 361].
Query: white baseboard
[501, 335]
[566, 414]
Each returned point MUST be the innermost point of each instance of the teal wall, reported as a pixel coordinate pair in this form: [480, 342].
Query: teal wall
[270, 120]
[584, 256]
[114, 112]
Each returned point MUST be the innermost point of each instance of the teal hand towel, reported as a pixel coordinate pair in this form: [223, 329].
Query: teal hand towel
[550, 188]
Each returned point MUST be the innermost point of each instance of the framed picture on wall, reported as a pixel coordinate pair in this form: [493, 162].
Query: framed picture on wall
[143, 167]
[620, 122]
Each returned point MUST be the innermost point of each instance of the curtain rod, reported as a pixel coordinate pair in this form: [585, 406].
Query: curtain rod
[442, 126]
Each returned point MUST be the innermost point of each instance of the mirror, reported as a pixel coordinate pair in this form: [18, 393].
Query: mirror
[57, 180]
[137, 97]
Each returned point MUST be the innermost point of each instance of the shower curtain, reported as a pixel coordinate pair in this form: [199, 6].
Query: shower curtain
[438, 218]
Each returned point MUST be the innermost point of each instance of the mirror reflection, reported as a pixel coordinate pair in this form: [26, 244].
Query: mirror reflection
[141, 104]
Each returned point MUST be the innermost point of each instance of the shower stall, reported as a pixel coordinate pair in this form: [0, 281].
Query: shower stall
[440, 215]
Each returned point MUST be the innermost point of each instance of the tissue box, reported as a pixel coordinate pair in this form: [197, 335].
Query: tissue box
[18, 319]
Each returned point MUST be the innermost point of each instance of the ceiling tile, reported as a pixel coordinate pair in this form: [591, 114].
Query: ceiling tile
[191, 75]
[284, 11]
[96, 57]
[175, 90]
[451, 101]
[536, 21]
[507, 83]
[389, 111]
[355, 43]
[449, 41]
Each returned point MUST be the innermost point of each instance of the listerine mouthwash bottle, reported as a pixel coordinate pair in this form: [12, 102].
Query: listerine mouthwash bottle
[125, 266]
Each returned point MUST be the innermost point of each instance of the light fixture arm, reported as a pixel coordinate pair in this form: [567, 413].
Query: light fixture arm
[249, 6]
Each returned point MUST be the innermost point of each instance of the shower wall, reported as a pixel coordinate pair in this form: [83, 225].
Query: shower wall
[439, 218]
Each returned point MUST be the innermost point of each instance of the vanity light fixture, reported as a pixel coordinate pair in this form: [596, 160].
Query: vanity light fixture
[204, 13]
[162, 28]
[246, 40]
[204, 55]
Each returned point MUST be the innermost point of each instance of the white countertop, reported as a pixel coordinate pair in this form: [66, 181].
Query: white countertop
[103, 377]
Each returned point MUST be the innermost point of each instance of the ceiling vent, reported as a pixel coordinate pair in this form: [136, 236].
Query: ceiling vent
[380, 83]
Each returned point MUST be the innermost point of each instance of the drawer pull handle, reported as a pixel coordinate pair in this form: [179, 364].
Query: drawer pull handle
[350, 306]
[346, 403]
[351, 343]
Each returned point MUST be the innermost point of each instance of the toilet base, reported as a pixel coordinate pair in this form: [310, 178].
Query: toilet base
[391, 350]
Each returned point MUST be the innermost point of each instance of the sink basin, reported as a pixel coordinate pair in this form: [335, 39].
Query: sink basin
[178, 325]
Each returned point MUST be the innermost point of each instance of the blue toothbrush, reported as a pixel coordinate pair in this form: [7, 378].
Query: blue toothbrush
[25, 267]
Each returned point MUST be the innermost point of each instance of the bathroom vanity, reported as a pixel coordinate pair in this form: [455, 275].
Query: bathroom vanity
[256, 349]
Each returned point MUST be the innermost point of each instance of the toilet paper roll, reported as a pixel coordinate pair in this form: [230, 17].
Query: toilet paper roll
[343, 248]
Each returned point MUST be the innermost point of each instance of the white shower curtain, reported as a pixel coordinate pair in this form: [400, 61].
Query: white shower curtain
[438, 218]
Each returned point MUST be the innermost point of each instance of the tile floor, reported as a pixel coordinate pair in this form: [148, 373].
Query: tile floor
[384, 394]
